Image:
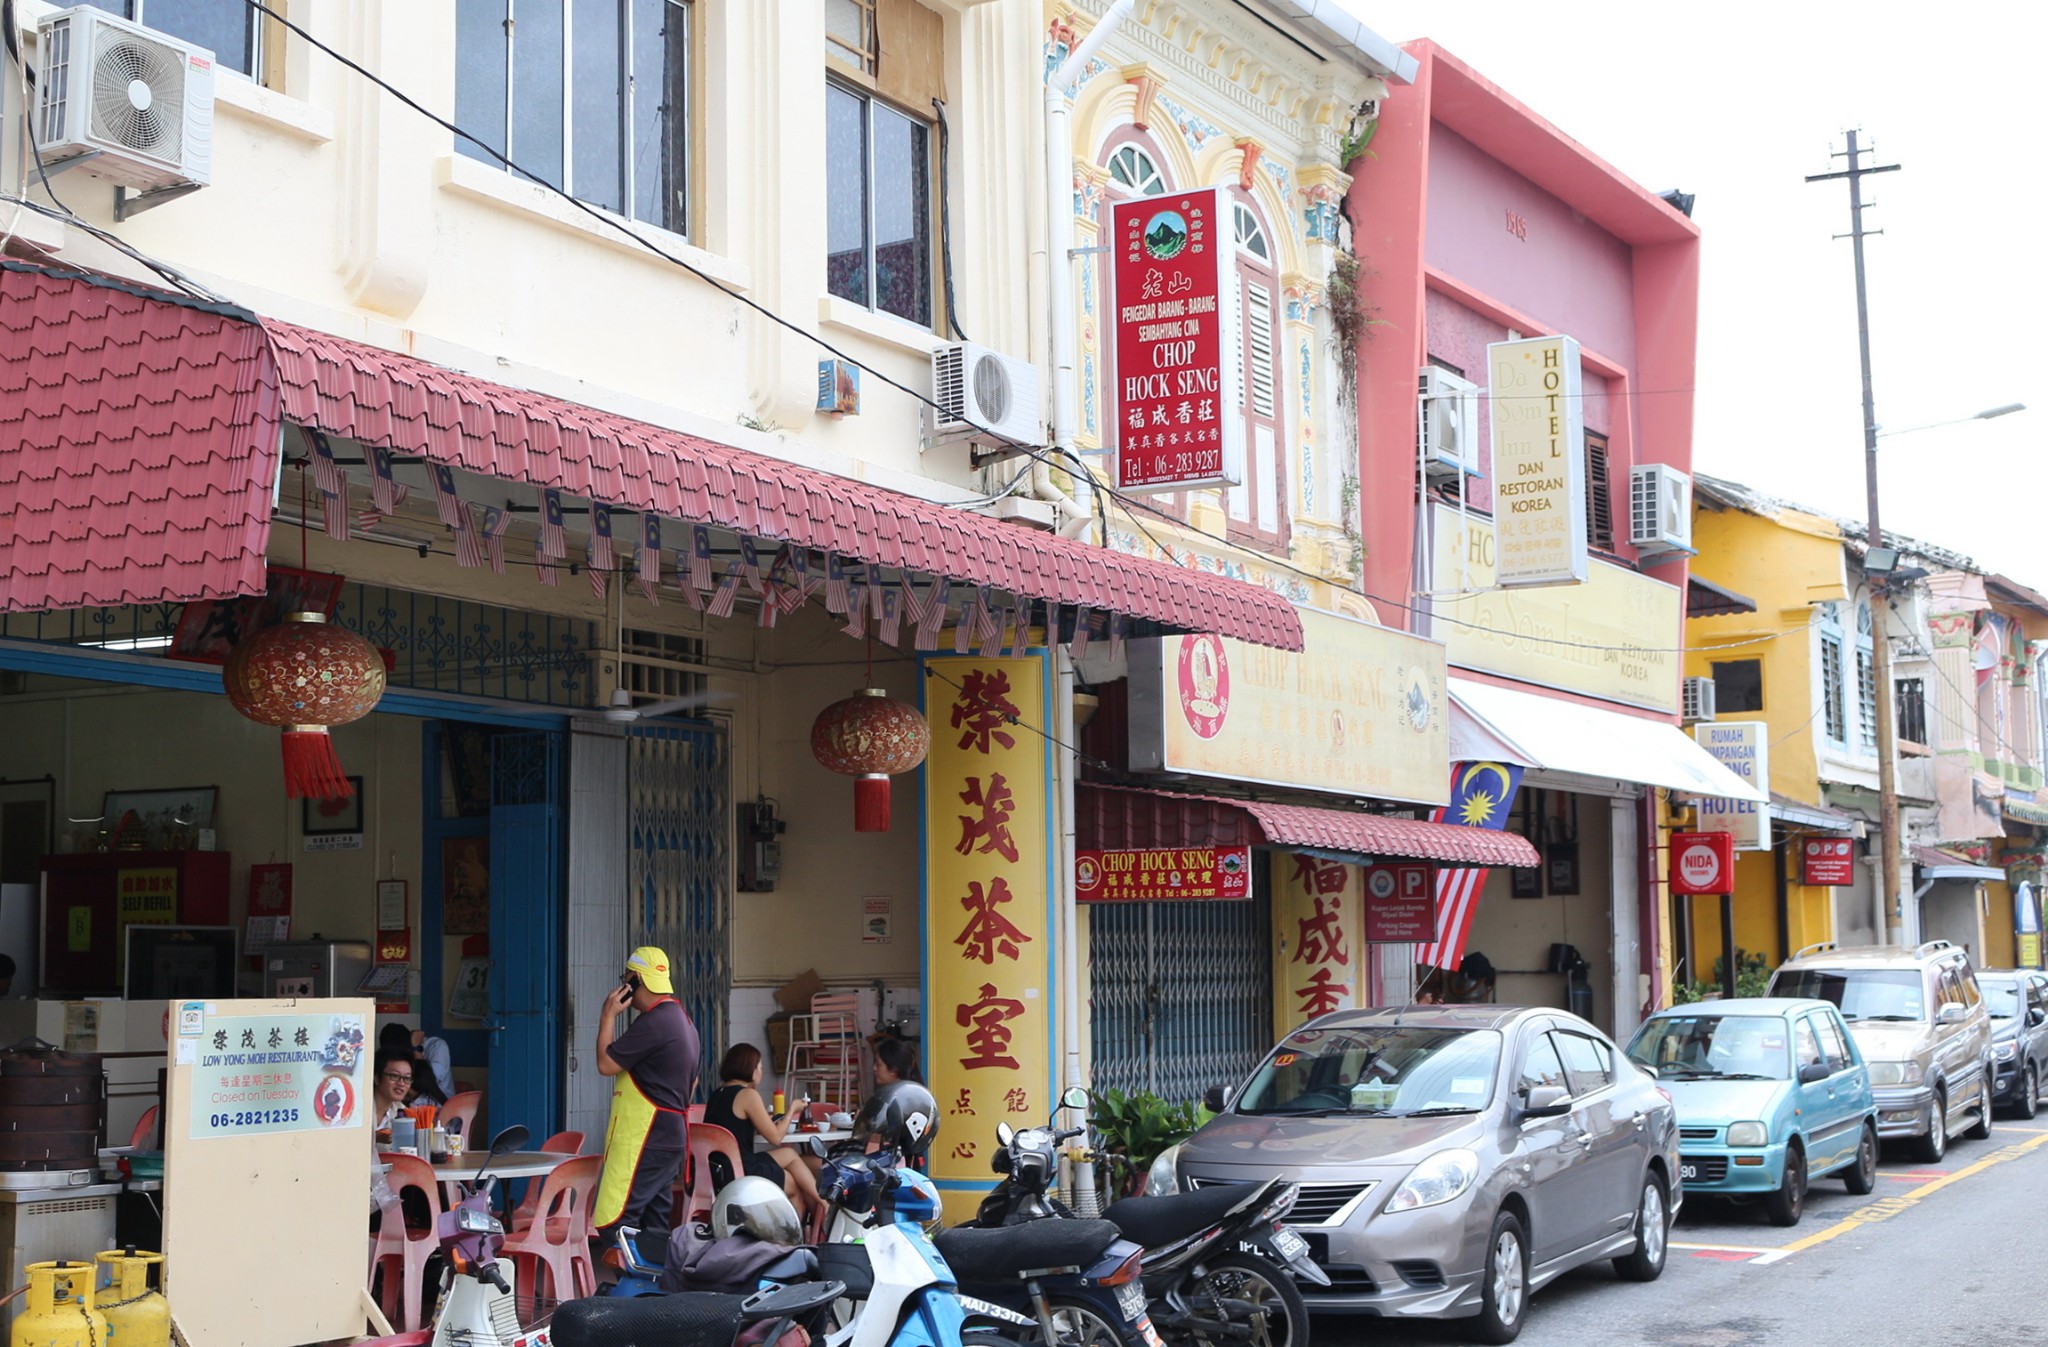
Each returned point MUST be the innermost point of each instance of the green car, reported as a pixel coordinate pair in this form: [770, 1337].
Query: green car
[1771, 1093]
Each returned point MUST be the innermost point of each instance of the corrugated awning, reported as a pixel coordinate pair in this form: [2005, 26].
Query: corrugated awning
[410, 407]
[1934, 863]
[1704, 598]
[1120, 817]
[138, 442]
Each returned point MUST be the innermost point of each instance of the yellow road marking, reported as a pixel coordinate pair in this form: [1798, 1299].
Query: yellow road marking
[1885, 1208]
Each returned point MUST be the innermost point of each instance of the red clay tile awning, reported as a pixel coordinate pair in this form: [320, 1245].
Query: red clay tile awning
[407, 406]
[1117, 817]
[138, 442]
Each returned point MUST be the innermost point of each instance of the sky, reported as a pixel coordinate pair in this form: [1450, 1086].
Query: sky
[1737, 103]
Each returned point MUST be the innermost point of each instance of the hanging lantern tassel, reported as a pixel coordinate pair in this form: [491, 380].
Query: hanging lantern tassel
[870, 737]
[304, 675]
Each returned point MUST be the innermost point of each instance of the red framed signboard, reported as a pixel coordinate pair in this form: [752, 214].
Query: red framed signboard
[1162, 874]
[1400, 903]
[1175, 319]
[1827, 860]
[1702, 863]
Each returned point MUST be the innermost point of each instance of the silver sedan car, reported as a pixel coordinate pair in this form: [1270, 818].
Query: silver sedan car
[1452, 1159]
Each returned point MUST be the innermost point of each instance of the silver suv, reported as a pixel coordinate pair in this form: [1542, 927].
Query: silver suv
[1922, 1025]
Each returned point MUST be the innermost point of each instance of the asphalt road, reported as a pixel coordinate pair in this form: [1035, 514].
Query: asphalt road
[1938, 1254]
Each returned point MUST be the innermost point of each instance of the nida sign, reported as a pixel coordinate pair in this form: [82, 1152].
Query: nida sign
[1177, 415]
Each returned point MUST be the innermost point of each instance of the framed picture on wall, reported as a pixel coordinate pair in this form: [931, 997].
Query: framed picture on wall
[1525, 882]
[465, 885]
[208, 628]
[188, 807]
[344, 814]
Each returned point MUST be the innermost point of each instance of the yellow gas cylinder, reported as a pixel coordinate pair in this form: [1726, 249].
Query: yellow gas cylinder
[60, 1312]
[137, 1314]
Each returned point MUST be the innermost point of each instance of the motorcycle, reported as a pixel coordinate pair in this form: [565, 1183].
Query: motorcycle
[1219, 1263]
[780, 1316]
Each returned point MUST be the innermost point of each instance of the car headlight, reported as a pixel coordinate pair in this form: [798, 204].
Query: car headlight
[1747, 1134]
[1441, 1177]
[1895, 1073]
[1163, 1177]
[2005, 1052]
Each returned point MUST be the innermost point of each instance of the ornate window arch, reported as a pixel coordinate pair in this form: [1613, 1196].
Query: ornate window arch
[1133, 169]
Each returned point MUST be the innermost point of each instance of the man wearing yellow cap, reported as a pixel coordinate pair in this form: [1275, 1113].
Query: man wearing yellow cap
[654, 1064]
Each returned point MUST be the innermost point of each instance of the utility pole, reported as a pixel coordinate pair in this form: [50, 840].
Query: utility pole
[1880, 645]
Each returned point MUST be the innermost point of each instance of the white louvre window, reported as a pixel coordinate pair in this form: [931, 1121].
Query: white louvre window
[1259, 331]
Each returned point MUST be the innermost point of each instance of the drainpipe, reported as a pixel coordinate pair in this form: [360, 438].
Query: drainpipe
[1059, 220]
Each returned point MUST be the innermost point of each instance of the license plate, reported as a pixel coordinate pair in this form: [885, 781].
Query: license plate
[1687, 1172]
[1150, 1334]
[1130, 1298]
[1289, 1245]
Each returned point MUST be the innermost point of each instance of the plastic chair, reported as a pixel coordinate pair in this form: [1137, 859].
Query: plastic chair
[695, 1112]
[401, 1251]
[461, 1107]
[145, 1127]
[824, 1050]
[559, 1238]
[706, 1141]
[561, 1143]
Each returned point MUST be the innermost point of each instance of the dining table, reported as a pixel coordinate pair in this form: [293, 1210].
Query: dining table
[516, 1165]
[826, 1136]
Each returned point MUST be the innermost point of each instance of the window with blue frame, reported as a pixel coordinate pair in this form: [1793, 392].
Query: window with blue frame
[1834, 693]
[1866, 682]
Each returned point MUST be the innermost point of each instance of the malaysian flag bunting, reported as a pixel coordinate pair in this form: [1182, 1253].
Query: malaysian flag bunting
[333, 484]
[385, 492]
[913, 602]
[1482, 793]
[1116, 634]
[650, 556]
[800, 572]
[1052, 625]
[892, 616]
[543, 567]
[787, 581]
[1078, 646]
[1021, 639]
[728, 592]
[857, 615]
[469, 543]
[370, 518]
[446, 502]
[551, 544]
[700, 557]
[992, 634]
[771, 606]
[599, 558]
[836, 596]
[964, 629]
[933, 619]
[877, 586]
[750, 565]
[496, 522]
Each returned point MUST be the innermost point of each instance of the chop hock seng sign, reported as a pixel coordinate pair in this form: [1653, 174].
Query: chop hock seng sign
[1168, 874]
[1177, 418]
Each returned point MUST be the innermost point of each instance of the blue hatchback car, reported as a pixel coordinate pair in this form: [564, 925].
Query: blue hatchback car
[1771, 1094]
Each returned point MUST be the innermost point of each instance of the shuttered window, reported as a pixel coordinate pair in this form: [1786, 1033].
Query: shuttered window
[1257, 510]
[1599, 498]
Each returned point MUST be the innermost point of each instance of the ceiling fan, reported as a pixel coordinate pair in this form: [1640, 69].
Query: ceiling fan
[623, 712]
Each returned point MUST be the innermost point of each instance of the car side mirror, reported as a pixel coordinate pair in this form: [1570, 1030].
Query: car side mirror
[1216, 1098]
[1547, 1101]
[1951, 1014]
[1812, 1072]
[2037, 1017]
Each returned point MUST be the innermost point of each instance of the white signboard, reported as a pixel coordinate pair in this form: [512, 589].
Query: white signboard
[1744, 749]
[1539, 461]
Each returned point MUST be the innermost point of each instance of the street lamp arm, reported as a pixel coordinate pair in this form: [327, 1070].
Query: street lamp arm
[1988, 414]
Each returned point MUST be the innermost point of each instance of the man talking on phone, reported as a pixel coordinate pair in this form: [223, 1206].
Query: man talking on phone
[654, 1065]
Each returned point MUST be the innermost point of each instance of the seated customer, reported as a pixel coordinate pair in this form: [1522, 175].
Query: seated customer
[894, 1061]
[395, 1037]
[736, 1106]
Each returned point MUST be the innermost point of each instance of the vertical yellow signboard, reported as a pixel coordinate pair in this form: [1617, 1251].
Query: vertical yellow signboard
[1318, 939]
[988, 933]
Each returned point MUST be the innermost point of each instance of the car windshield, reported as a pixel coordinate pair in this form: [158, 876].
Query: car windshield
[1859, 993]
[1399, 1070]
[2002, 999]
[1703, 1047]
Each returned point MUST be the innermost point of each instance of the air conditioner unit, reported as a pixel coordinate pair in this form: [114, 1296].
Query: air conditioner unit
[138, 102]
[1659, 508]
[1696, 700]
[1448, 423]
[984, 395]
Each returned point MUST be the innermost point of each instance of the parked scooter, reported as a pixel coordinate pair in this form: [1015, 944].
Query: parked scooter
[781, 1316]
[1219, 1263]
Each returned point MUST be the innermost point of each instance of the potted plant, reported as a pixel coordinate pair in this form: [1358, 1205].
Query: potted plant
[1133, 1130]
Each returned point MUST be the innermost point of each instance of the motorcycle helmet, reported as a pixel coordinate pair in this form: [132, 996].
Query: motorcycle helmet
[758, 1207]
[902, 1115]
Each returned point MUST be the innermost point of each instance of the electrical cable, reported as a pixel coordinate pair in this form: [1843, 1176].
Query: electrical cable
[946, 216]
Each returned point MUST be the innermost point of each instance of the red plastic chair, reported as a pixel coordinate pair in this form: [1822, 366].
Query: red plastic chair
[561, 1143]
[695, 1113]
[558, 1240]
[706, 1141]
[462, 1108]
[402, 1251]
[145, 1127]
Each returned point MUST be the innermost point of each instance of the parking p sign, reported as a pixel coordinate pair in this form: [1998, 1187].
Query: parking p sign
[1400, 903]
[1702, 863]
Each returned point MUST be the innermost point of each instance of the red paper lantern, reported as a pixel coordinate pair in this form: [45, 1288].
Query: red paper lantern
[302, 676]
[870, 737]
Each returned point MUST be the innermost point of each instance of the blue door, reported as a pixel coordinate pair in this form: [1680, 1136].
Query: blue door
[526, 921]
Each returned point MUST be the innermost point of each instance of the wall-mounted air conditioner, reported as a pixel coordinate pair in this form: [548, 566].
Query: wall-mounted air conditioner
[983, 395]
[1696, 700]
[138, 102]
[1448, 423]
[1659, 508]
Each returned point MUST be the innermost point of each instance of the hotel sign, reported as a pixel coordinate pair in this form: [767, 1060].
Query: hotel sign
[1539, 460]
[1743, 747]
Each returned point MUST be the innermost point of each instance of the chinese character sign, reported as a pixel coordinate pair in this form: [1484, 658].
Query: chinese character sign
[1177, 419]
[1319, 954]
[987, 906]
[275, 1073]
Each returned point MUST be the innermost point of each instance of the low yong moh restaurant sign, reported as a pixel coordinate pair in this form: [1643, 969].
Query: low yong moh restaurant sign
[1177, 416]
[1164, 874]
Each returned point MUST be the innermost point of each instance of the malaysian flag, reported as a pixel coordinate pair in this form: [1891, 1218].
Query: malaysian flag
[700, 557]
[992, 634]
[650, 555]
[802, 581]
[551, 543]
[1021, 640]
[964, 629]
[857, 615]
[1482, 793]
[496, 522]
[446, 500]
[1116, 634]
[836, 575]
[333, 484]
[385, 492]
[469, 543]
[932, 620]
[1078, 646]
[543, 567]
[599, 559]
[750, 565]
[728, 592]
[877, 587]
[892, 616]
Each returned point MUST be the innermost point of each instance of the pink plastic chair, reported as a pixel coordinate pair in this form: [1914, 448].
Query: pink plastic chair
[706, 1141]
[561, 1143]
[462, 1108]
[558, 1240]
[401, 1252]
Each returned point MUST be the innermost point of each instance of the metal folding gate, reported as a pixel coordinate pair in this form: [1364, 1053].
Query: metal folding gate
[679, 824]
[1180, 994]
